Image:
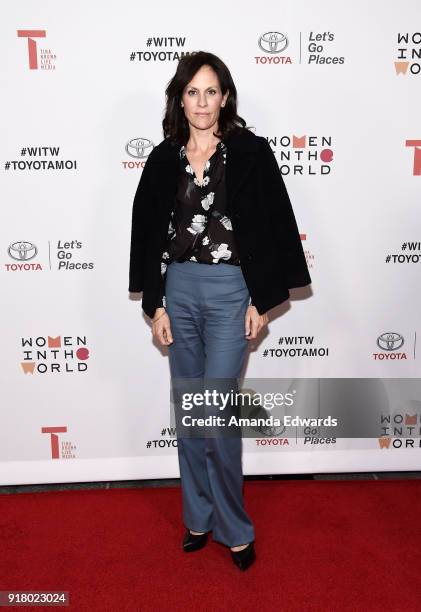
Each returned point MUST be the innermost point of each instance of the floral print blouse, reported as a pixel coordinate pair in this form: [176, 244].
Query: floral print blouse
[199, 229]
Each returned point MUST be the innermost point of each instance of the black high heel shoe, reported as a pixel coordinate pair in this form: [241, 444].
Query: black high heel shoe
[193, 542]
[245, 557]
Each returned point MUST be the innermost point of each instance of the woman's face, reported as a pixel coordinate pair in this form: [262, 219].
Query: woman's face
[202, 99]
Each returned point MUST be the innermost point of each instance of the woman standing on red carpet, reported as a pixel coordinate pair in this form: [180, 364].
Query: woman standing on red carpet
[214, 246]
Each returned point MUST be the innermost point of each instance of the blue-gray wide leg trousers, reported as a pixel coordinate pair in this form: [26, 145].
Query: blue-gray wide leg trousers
[206, 304]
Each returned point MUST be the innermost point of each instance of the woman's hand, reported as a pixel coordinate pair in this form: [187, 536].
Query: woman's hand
[254, 322]
[161, 327]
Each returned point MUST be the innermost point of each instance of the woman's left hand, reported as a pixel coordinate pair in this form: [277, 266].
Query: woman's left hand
[254, 322]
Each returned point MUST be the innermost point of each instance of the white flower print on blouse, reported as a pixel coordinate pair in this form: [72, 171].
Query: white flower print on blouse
[197, 224]
[204, 183]
[226, 222]
[163, 267]
[207, 200]
[206, 179]
[222, 252]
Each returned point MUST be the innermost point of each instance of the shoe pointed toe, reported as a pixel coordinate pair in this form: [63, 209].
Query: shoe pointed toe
[245, 557]
[192, 542]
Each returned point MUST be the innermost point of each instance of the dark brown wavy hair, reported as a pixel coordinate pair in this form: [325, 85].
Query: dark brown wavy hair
[175, 125]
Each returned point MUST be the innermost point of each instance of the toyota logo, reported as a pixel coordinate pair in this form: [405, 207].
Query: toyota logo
[22, 251]
[390, 341]
[273, 42]
[139, 147]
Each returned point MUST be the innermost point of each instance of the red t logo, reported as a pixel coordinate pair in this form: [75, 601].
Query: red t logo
[32, 45]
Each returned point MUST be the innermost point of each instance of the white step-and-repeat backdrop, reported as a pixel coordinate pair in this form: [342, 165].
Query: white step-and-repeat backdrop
[336, 90]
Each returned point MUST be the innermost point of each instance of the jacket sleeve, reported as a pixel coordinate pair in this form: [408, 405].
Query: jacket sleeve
[140, 222]
[282, 219]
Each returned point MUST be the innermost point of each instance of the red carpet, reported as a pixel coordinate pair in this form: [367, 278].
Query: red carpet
[327, 546]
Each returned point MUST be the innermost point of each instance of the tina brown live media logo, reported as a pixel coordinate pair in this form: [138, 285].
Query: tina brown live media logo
[416, 166]
[60, 449]
[39, 58]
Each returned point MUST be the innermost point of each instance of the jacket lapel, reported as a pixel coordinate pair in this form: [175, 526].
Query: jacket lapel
[241, 157]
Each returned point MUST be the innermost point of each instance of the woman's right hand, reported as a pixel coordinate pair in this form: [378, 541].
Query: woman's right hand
[161, 327]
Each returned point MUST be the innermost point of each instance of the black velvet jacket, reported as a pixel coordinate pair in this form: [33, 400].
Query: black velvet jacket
[257, 202]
